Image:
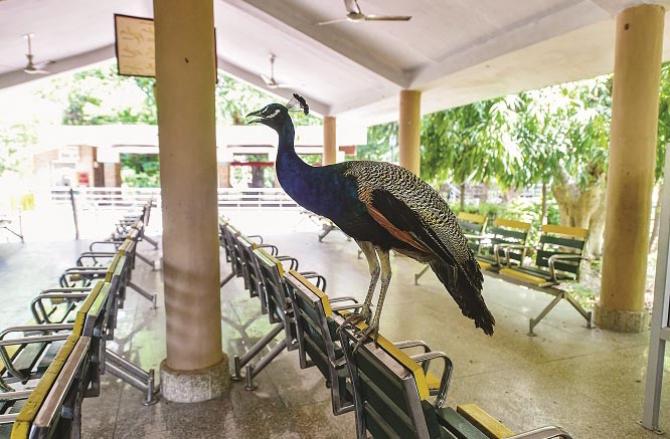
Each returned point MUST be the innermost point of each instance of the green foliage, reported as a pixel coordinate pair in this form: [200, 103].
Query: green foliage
[663, 120]
[381, 145]
[15, 143]
[235, 99]
[468, 143]
[93, 98]
[140, 170]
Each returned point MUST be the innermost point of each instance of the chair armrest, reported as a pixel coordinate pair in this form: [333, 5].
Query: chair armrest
[94, 256]
[506, 248]
[294, 261]
[30, 328]
[115, 243]
[346, 307]
[441, 398]
[342, 299]
[550, 432]
[409, 344]
[37, 305]
[258, 237]
[553, 258]
[320, 280]
[273, 248]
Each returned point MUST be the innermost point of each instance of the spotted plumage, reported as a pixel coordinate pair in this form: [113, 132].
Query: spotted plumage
[383, 207]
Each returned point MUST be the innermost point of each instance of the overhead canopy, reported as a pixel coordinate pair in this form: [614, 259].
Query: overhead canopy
[455, 51]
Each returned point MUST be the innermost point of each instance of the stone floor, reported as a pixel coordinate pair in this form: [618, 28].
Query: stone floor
[589, 381]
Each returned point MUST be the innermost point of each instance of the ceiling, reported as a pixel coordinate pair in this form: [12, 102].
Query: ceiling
[455, 51]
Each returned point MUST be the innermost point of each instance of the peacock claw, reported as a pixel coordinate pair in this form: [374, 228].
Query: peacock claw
[353, 319]
[370, 333]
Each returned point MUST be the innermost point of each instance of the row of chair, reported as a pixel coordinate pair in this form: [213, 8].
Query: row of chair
[50, 364]
[387, 384]
[502, 248]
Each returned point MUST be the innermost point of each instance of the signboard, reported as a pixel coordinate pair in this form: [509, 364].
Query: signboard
[136, 48]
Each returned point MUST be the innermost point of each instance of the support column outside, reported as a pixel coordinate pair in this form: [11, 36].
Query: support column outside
[632, 158]
[195, 368]
[409, 126]
[329, 140]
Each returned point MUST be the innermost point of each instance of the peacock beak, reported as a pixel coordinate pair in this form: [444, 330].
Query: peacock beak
[254, 117]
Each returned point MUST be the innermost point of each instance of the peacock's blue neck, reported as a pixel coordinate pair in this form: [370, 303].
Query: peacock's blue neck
[306, 184]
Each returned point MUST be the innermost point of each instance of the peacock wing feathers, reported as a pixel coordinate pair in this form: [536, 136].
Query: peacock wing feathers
[414, 212]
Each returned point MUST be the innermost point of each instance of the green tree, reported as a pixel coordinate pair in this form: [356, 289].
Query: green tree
[468, 143]
[15, 147]
[381, 143]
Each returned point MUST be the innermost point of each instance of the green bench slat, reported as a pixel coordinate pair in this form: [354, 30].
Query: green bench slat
[514, 234]
[458, 425]
[563, 242]
[542, 260]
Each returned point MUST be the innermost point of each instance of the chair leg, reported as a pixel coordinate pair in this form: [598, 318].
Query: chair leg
[326, 230]
[576, 305]
[241, 360]
[535, 321]
[418, 275]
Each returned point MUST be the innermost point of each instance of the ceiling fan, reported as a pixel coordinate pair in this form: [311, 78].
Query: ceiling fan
[270, 81]
[33, 68]
[355, 15]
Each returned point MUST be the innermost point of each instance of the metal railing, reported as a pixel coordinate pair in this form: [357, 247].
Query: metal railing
[124, 198]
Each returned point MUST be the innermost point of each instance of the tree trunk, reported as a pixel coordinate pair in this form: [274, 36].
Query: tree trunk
[462, 188]
[657, 216]
[594, 247]
[543, 211]
[583, 208]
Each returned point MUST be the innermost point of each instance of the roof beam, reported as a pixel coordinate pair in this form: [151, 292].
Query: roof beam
[551, 23]
[18, 77]
[316, 105]
[293, 22]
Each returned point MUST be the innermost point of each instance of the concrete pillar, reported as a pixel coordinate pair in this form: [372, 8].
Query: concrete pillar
[329, 140]
[409, 130]
[112, 174]
[632, 157]
[195, 369]
[224, 174]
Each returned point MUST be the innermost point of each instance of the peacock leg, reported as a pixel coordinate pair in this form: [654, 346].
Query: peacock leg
[372, 331]
[373, 266]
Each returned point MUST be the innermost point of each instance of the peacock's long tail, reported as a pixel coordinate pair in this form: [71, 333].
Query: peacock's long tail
[469, 299]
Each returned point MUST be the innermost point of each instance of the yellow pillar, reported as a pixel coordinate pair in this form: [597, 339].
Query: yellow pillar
[329, 140]
[409, 130]
[195, 369]
[632, 158]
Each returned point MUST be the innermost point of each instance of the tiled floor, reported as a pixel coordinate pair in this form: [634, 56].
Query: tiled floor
[589, 381]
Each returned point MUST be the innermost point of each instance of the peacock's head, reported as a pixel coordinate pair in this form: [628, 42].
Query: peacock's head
[273, 115]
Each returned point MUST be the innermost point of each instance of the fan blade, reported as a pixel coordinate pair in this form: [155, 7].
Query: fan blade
[338, 20]
[352, 6]
[387, 18]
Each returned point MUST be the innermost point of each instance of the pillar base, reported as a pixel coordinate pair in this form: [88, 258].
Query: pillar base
[621, 321]
[195, 385]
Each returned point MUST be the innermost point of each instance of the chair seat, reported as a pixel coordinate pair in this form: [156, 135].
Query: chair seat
[526, 276]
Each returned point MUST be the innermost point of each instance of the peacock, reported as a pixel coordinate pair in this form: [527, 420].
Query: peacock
[382, 207]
